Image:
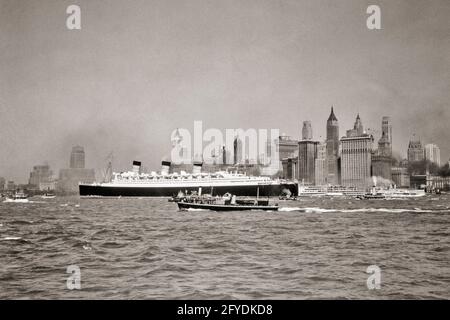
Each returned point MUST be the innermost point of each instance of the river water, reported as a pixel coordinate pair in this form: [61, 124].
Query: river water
[147, 249]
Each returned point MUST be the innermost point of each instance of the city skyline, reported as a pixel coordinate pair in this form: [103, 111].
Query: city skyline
[262, 64]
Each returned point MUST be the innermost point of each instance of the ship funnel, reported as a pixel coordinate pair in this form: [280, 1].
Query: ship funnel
[136, 167]
[165, 167]
[197, 167]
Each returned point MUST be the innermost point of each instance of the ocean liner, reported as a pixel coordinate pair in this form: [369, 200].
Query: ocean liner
[163, 184]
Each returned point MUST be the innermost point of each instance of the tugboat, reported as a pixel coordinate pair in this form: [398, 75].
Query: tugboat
[227, 202]
[48, 195]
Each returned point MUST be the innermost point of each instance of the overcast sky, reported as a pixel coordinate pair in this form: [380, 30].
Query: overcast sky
[139, 69]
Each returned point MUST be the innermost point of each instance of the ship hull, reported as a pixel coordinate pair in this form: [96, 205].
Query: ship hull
[131, 191]
[216, 207]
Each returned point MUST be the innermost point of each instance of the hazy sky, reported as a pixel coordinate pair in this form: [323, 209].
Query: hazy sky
[139, 69]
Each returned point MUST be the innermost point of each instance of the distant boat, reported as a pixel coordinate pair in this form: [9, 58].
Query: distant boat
[18, 196]
[329, 191]
[48, 195]
[392, 193]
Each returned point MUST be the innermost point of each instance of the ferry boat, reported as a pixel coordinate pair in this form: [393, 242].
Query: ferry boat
[18, 196]
[404, 193]
[392, 193]
[227, 202]
[164, 184]
[330, 191]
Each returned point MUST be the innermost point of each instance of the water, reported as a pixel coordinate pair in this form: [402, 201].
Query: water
[146, 248]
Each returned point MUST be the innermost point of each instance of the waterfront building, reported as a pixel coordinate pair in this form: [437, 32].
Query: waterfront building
[332, 146]
[307, 154]
[400, 177]
[438, 182]
[2, 183]
[10, 185]
[290, 168]
[356, 157]
[320, 174]
[415, 151]
[287, 147]
[433, 153]
[70, 178]
[381, 166]
[288, 155]
[41, 178]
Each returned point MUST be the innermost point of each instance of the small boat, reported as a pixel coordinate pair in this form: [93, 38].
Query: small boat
[18, 196]
[226, 203]
[48, 195]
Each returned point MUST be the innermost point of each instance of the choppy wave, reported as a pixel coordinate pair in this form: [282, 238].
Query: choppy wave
[17, 201]
[22, 201]
[359, 210]
[11, 238]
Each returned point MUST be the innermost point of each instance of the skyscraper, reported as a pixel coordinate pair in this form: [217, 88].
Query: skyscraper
[307, 130]
[237, 151]
[433, 153]
[358, 129]
[70, 178]
[356, 157]
[385, 142]
[320, 173]
[382, 158]
[42, 178]
[77, 158]
[415, 151]
[332, 143]
[307, 154]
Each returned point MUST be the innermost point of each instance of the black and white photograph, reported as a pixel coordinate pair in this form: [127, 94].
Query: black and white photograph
[224, 150]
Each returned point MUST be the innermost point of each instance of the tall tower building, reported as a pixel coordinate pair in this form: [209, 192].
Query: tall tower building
[307, 130]
[415, 151]
[358, 126]
[320, 173]
[433, 153]
[358, 129]
[356, 157]
[382, 158]
[237, 151]
[77, 158]
[385, 142]
[307, 154]
[332, 146]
